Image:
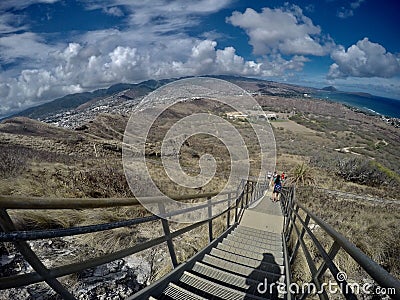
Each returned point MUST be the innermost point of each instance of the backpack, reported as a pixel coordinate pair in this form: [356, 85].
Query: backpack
[278, 187]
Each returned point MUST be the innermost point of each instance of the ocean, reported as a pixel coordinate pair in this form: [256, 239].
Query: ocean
[369, 103]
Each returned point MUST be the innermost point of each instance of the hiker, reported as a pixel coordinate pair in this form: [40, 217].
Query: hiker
[269, 177]
[283, 177]
[273, 178]
[277, 189]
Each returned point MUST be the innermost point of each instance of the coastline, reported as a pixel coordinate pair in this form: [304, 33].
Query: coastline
[372, 105]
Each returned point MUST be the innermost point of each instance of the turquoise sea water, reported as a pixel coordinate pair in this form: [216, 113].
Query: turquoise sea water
[373, 104]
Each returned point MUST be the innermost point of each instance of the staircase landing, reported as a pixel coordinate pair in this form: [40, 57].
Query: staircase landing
[264, 215]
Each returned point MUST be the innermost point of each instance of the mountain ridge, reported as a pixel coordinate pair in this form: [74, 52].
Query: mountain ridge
[76, 100]
[132, 91]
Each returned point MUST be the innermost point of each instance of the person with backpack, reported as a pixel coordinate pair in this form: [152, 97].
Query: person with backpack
[277, 189]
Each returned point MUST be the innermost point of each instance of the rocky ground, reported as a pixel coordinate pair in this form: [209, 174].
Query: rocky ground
[115, 280]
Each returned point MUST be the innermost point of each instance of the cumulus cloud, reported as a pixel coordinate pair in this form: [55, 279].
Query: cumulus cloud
[364, 59]
[286, 30]
[152, 44]
[80, 67]
[206, 59]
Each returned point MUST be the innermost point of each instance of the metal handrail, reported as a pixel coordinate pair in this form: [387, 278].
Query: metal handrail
[27, 202]
[379, 274]
[61, 232]
[247, 192]
[32, 277]
[291, 209]
[32, 235]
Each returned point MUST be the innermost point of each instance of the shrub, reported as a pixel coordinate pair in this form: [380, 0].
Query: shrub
[108, 181]
[13, 161]
[363, 171]
[390, 176]
[302, 174]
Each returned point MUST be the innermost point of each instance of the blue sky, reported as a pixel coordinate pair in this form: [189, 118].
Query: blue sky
[50, 48]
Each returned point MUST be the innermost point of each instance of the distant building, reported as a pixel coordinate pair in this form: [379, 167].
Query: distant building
[236, 115]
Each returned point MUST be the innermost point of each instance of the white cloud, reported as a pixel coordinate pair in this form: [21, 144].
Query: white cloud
[163, 15]
[356, 4]
[345, 12]
[21, 4]
[26, 45]
[10, 23]
[80, 67]
[385, 87]
[310, 8]
[153, 44]
[364, 59]
[113, 11]
[286, 30]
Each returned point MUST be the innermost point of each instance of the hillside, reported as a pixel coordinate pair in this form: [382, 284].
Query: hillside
[68, 105]
[329, 88]
[73, 101]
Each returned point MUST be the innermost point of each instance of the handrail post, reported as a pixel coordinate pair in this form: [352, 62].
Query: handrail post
[228, 217]
[287, 269]
[167, 233]
[299, 239]
[293, 195]
[293, 210]
[332, 253]
[247, 194]
[253, 191]
[237, 201]
[285, 208]
[210, 226]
